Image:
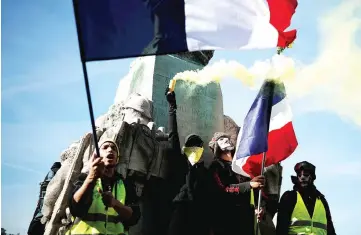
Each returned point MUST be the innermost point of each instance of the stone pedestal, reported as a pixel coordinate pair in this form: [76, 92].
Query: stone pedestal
[200, 108]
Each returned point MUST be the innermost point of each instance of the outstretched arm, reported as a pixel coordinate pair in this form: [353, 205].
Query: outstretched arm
[172, 122]
[178, 164]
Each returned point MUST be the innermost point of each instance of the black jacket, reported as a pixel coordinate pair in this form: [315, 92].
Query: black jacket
[190, 206]
[232, 212]
[195, 185]
[190, 203]
[288, 202]
[177, 163]
[80, 209]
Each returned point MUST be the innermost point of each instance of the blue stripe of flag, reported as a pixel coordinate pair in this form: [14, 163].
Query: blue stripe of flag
[254, 139]
[112, 29]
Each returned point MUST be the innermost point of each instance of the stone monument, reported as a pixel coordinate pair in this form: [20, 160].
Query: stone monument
[200, 108]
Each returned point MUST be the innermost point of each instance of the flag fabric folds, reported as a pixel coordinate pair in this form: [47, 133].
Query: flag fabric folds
[112, 29]
[267, 128]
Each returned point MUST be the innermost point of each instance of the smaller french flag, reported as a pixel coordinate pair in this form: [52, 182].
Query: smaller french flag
[268, 129]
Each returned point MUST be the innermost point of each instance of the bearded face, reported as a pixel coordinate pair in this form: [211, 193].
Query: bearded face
[225, 144]
[304, 178]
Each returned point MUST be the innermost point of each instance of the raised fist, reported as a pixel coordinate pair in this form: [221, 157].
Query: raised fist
[96, 168]
[171, 98]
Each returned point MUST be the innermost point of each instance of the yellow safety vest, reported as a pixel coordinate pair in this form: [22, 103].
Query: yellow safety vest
[302, 223]
[255, 217]
[98, 221]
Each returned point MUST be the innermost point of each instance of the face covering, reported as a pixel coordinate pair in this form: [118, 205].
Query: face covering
[194, 154]
[304, 178]
[225, 144]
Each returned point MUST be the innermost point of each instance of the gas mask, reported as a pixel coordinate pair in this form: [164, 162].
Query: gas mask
[225, 144]
[304, 179]
[193, 154]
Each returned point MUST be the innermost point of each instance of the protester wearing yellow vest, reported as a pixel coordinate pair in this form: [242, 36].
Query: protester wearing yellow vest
[304, 210]
[99, 211]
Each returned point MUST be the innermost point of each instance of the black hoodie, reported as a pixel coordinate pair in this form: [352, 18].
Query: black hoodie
[232, 213]
[189, 205]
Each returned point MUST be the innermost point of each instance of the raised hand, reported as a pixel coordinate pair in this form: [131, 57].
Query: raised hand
[96, 168]
[171, 98]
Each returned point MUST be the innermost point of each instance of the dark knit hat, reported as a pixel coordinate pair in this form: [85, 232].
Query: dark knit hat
[193, 140]
[306, 166]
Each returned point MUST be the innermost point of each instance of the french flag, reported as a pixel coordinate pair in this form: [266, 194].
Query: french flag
[267, 129]
[113, 29]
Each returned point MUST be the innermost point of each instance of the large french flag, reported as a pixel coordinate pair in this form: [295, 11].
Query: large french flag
[267, 128]
[112, 29]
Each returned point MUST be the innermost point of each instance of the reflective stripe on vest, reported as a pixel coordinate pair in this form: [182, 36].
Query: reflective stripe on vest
[301, 222]
[98, 221]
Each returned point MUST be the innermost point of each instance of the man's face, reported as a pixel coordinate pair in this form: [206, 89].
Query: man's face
[304, 178]
[109, 154]
[225, 144]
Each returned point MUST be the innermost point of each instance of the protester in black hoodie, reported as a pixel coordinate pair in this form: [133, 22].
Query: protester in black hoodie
[296, 206]
[36, 227]
[190, 205]
[231, 211]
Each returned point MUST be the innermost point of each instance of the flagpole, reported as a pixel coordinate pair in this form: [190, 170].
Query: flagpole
[105, 183]
[260, 191]
[90, 107]
[86, 80]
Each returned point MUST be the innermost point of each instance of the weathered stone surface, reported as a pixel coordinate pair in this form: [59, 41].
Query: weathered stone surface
[69, 153]
[273, 175]
[231, 128]
[138, 80]
[55, 200]
[200, 109]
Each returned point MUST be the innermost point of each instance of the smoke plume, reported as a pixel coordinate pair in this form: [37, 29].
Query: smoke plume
[279, 66]
[331, 82]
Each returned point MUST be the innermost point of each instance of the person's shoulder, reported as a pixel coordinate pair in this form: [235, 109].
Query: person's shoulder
[320, 195]
[201, 168]
[288, 194]
[216, 163]
[127, 182]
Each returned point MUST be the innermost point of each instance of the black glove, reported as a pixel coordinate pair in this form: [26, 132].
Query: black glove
[171, 99]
